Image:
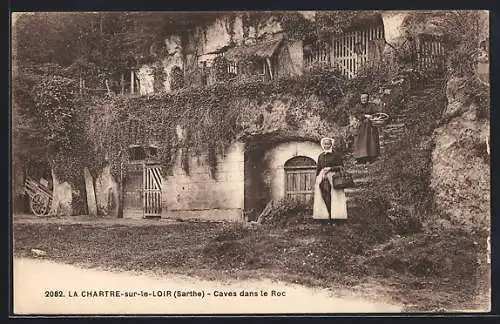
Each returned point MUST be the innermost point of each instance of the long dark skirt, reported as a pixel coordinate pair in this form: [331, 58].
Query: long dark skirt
[367, 142]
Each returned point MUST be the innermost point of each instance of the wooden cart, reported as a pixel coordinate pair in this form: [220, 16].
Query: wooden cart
[40, 197]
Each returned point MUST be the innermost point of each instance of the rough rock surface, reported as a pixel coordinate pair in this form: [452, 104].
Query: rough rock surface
[106, 191]
[62, 198]
[460, 162]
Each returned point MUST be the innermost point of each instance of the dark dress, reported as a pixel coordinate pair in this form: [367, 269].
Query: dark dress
[329, 195]
[329, 159]
[367, 143]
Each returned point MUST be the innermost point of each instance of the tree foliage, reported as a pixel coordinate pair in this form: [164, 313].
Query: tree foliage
[49, 125]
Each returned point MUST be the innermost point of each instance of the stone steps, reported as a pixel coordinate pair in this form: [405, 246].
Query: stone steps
[390, 134]
[390, 141]
[352, 191]
[393, 130]
[391, 138]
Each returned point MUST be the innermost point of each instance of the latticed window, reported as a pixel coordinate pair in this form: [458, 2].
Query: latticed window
[140, 153]
[136, 153]
[232, 68]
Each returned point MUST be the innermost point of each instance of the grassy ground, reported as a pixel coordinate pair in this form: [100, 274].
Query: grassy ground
[426, 271]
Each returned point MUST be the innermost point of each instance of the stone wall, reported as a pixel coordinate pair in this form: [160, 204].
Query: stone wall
[275, 158]
[187, 195]
[265, 173]
[146, 80]
[393, 32]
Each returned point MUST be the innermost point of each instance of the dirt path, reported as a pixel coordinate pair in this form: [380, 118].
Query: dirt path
[33, 277]
[89, 220]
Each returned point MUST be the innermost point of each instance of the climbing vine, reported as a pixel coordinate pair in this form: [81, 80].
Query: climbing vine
[50, 129]
[61, 124]
[210, 116]
[158, 77]
[324, 24]
[221, 67]
[176, 78]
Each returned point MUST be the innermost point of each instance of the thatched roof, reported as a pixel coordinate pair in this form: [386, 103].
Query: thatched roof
[262, 49]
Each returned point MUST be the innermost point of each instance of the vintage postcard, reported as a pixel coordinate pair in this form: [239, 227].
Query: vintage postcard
[250, 162]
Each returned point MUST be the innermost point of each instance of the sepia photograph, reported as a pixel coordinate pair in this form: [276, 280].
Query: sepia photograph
[250, 162]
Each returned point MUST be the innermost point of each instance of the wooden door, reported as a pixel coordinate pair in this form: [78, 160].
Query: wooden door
[132, 191]
[300, 176]
[152, 191]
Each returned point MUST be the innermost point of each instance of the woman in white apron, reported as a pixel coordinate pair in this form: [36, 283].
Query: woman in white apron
[329, 203]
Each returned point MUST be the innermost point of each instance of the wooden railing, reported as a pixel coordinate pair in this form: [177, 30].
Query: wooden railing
[352, 50]
[317, 53]
[431, 56]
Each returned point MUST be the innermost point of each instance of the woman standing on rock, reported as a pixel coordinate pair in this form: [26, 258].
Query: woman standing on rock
[366, 146]
[329, 203]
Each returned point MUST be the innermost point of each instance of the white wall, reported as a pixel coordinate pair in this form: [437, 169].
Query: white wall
[199, 191]
[274, 175]
[392, 25]
[146, 80]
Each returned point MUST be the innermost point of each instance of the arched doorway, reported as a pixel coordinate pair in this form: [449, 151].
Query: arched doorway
[300, 175]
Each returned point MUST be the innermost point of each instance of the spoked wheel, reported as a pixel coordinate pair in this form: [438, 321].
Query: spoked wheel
[39, 204]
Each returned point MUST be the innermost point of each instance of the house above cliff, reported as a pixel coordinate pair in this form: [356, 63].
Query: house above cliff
[234, 47]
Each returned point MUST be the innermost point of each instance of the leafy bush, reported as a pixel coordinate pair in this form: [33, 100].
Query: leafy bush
[177, 78]
[286, 211]
[234, 231]
[478, 93]
[404, 221]
[52, 113]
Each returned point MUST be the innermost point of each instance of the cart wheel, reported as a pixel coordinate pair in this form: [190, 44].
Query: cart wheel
[39, 204]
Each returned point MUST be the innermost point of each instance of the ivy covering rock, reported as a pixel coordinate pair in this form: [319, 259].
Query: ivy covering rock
[213, 117]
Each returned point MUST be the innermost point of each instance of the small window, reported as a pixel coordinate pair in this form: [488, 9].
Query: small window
[136, 153]
[151, 152]
[232, 68]
[139, 153]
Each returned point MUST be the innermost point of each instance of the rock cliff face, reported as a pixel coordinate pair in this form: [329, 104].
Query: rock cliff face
[62, 197]
[460, 161]
[461, 158]
[284, 113]
[107, 193]
[199, 46]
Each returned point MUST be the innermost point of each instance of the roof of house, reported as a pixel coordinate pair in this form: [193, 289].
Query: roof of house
[262, 49]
